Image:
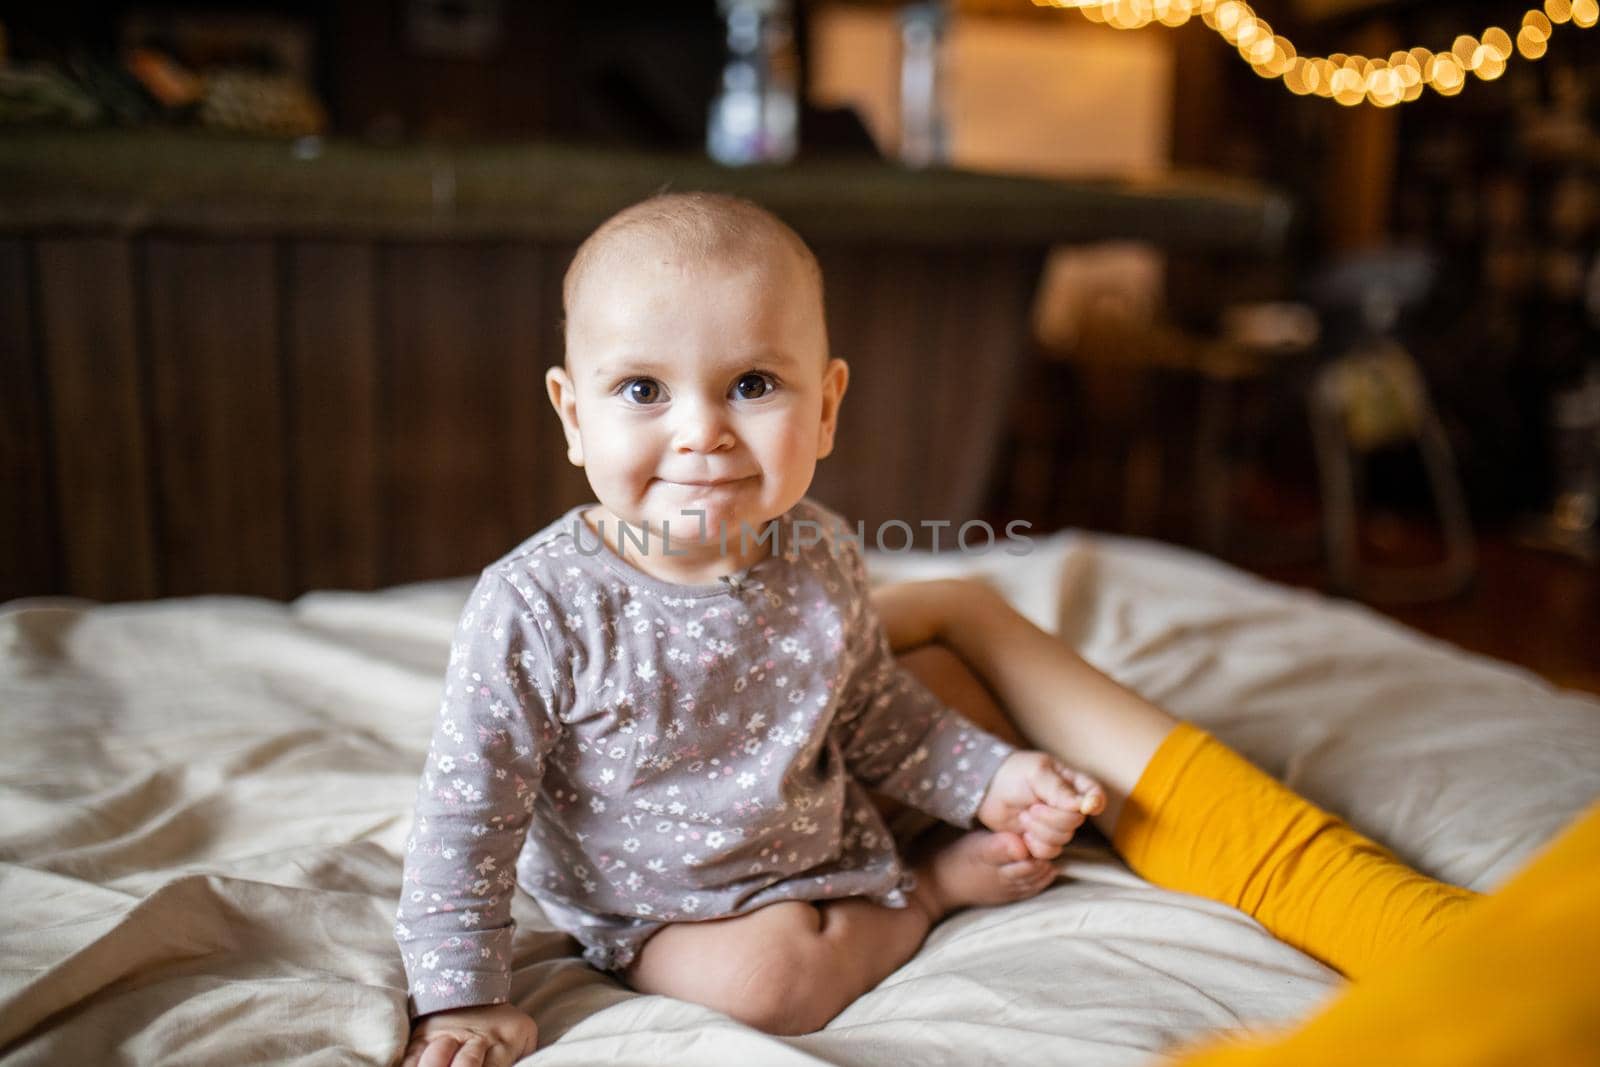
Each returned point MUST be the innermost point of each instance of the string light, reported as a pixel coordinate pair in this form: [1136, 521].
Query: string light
[1349, 79]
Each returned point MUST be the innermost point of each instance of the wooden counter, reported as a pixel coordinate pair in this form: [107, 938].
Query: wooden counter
[139, 182]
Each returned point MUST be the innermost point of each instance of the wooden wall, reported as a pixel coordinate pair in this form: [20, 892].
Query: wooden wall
[266, 415]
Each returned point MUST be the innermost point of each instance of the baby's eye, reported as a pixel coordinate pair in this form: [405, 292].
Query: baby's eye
[642, 390]
[753, 386]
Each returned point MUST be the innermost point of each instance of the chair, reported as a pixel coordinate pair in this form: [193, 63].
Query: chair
[1372, 396]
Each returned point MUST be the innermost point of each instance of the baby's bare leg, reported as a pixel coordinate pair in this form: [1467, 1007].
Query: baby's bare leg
[786, 968]
[790, 967]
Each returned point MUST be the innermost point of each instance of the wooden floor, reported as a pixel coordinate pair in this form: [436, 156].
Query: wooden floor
[1124, 463]
[1536, 609]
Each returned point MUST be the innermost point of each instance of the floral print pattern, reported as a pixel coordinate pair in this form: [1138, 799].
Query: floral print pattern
[635, 753]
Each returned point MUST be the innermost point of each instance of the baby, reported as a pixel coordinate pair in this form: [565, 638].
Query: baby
[665, 713]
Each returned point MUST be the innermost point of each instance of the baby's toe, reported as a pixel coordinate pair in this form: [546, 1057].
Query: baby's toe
[1004, 847]
[1032, 881]
[1025, 872]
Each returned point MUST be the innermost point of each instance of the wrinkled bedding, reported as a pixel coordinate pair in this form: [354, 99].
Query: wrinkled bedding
[204, 800]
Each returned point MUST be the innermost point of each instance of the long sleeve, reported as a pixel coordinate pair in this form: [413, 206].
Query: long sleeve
[474, 803]
[897, 738]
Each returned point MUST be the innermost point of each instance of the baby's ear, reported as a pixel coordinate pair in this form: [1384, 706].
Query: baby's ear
[564, 398]
[835, 379]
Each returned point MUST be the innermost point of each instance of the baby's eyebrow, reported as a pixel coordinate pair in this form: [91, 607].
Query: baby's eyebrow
[629, 368]
[777, 359]
[771, 359]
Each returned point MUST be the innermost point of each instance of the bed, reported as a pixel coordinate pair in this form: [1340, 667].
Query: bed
[204, 801]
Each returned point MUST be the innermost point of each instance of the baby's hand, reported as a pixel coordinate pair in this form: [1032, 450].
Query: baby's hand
[1032, 794]
[493, 1035]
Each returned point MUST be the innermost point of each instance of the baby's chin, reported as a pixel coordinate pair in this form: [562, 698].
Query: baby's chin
[708, 527]
[705, 526]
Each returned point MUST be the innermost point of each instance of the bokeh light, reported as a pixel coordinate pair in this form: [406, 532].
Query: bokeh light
[1350, 79]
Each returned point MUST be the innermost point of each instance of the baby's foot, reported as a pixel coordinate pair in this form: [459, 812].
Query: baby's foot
[979, 867]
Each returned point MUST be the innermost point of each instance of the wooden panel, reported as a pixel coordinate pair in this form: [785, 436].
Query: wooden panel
[933, 360]
[540, 450]
[219, 434]
[867, 305]
[934, 338]
[332, 414]
[980, 311]
[88, 327]
[27, 520]
[462, 385]
[331, 322]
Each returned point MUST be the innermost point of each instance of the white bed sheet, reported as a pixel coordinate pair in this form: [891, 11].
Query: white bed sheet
[203, 803]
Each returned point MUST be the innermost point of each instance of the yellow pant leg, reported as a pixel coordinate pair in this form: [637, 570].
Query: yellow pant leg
[1203, 820]
[1516, 983]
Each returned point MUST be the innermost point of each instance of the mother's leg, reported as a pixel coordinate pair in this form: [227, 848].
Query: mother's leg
[1054, 699]
[1185, 811]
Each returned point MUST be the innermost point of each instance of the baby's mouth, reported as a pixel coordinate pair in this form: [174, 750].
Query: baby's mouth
[704, 483]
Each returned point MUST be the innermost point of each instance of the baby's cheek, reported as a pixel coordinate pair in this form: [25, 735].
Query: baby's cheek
[624, 472]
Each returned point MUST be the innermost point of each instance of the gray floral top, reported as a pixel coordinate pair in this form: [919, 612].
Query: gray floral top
[636, 753]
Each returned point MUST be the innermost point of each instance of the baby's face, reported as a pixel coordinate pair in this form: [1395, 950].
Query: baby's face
[697, 387]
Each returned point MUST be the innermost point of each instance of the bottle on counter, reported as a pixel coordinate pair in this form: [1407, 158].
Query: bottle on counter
[755, 116]
[924, 134]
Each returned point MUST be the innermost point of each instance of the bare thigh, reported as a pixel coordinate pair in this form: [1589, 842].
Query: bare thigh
[787, 968]
[679, 953]
[751, 967]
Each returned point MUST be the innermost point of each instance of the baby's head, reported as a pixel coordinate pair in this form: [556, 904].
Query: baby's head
[697, 374]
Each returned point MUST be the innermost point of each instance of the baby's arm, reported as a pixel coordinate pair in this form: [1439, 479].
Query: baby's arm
[1028, 793]
[896, 737]
[906, 744]
[900, 740]
[473, 805]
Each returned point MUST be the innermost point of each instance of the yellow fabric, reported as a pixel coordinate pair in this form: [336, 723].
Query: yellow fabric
[1203, 820]
[1511, 979]
[1516, 982]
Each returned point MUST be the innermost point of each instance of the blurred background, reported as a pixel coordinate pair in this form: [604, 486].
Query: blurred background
[1312, 286]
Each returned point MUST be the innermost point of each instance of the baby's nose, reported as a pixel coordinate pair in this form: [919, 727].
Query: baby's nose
[702, 428]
